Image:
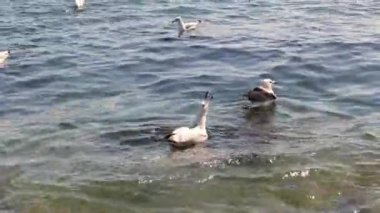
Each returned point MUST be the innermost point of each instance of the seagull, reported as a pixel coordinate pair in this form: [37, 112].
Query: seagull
[185, 27]
[185, 137]
[80, 4]
[262, 93]
[4, 55]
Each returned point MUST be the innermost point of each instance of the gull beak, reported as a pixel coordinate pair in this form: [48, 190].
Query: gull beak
[274, 82]
[208, 96]
[174, 20]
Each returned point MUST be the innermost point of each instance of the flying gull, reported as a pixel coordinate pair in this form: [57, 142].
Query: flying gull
[185, 137]
[185, 27]
[262, 93]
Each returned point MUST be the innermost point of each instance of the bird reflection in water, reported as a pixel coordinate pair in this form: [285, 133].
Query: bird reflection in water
[199, 153]
[261, 116]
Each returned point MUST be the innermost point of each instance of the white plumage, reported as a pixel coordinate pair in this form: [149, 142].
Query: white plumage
[185, 27]
[80, 4]
[266, 84]
[3, 56]
[184, 137]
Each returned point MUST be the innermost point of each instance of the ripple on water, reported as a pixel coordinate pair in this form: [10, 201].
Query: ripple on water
[189, 10]
[181, 85]
[66, 125]
[132, 137]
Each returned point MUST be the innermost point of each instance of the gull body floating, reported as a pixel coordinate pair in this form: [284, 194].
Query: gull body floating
[262, 93]
[185, 137]
[4, 55]
[185, 27]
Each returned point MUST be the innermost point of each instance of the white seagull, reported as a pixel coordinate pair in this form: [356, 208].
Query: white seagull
[4, 55]
[80, 4]
[262, 93]
[185, 27]
[185, 137]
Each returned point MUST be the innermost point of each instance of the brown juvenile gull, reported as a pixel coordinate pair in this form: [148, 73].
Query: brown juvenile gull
[184, 137]
[262, 93]
[185, 27]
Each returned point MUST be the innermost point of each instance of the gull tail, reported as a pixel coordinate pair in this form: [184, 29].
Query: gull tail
[168, 135]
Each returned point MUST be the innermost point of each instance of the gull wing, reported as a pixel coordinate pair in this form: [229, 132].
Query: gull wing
[259, 95]
[181, 138]
[191, 25]
[179, 135]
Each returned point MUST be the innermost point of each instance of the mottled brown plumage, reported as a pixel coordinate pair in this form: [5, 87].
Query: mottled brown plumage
[262, 93]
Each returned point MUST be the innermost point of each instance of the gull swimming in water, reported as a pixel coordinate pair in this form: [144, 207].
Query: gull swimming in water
[185, 27]
[80, 4]
[262, 93]
[4, 55]
[185, 137]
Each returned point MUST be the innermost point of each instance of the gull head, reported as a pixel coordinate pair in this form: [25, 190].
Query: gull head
[206, 100]
[267, 84]
[6, 53]
[177, 19]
